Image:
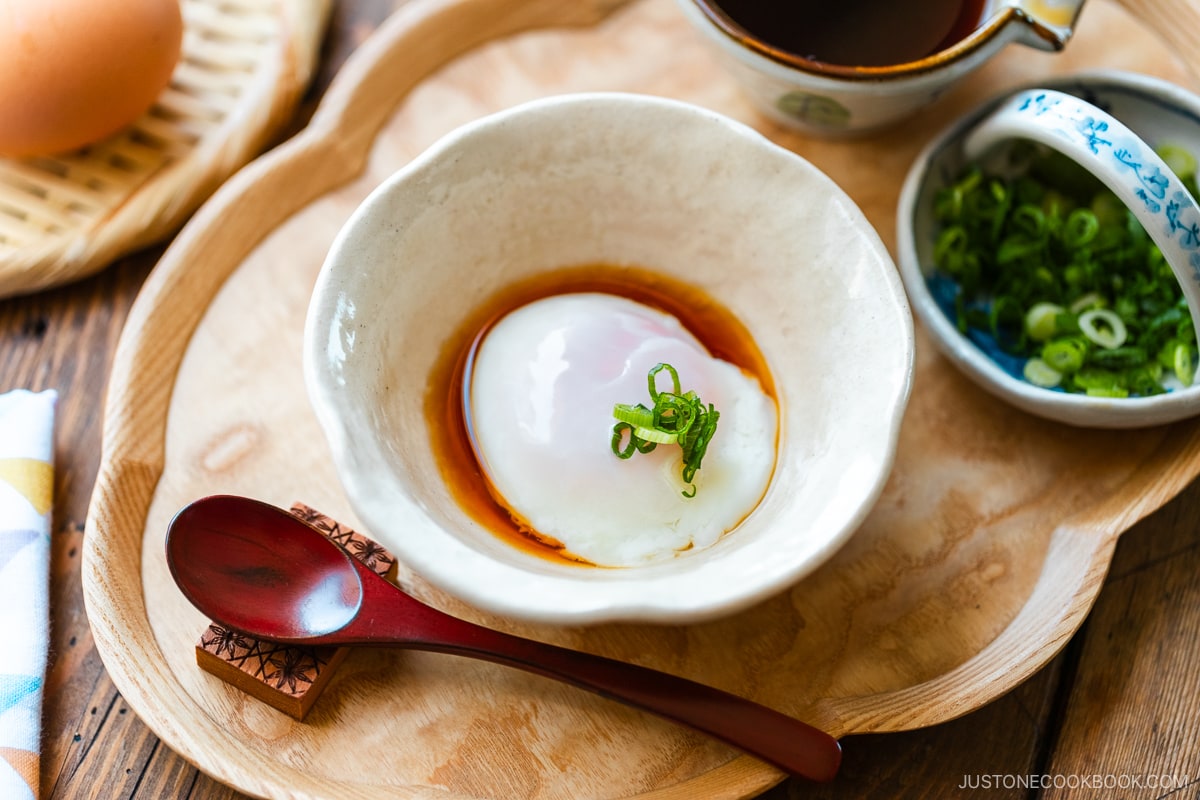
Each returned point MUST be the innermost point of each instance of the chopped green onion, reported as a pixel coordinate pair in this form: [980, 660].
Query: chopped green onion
[1108, 391]
[1103, 327]
[1184, 363]
[638, 416]
[1053, 267]
[1097, 378]
[1120, 357]
[1041, 319]
[1181, 162]
[1146, 379]
[1080, 228]
[1039, 373]
[634, 443]
[655, 435]
[1109, 209]
[677, 418]
[1089, 300]
[652, 380]
[1066, 355]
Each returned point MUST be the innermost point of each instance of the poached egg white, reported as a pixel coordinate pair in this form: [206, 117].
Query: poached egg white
[545, 379]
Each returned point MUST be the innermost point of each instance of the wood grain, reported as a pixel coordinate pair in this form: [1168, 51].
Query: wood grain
[978, 564]
[1143, 626]
[97, 747]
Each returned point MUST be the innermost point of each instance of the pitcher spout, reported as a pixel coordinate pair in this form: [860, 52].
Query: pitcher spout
[1048, 24]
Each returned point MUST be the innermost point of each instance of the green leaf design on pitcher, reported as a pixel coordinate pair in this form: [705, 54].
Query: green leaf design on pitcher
[814, 109]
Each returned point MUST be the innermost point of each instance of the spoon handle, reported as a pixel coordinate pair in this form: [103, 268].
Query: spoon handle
[780, 740]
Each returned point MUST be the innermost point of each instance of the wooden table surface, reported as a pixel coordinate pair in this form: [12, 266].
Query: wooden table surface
[1116, 714]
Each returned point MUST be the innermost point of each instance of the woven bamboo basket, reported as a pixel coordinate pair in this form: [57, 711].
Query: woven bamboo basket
[242, 70]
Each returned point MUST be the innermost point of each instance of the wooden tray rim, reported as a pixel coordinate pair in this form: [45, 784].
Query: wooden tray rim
[331, 152]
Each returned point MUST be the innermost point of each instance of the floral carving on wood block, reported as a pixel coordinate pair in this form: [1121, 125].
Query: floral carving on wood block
[288, 677]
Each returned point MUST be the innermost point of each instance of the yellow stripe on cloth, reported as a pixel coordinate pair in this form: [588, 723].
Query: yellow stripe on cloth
[32, 478]
[26, 764]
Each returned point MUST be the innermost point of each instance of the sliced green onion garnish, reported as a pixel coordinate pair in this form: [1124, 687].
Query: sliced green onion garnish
[676, 418]
[1039, 373]
[1051, 265]
[1109, 209]
[1181, 162]
[1103, 327]
[1066, 355]
[1113, 391]
[1040, 320]
[652, 379]
[1080, 228]
[1120, 357]
[655, 435]
[1098, 379]
[1089, 300]
[638, 416]
[1184, 363]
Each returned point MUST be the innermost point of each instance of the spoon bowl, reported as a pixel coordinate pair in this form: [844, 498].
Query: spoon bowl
[234, 561]
[257, 569]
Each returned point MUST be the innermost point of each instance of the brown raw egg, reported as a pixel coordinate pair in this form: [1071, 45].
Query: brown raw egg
[73, 72]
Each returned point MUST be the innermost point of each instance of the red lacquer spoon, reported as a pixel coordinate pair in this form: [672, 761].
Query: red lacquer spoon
[257, 569]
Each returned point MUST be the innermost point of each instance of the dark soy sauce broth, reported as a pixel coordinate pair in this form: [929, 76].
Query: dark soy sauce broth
[857, 33]
[710, 322]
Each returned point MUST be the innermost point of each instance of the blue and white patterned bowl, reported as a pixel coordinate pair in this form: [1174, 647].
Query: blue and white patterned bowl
[1109, 122]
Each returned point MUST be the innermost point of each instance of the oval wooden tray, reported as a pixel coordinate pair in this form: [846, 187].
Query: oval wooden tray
[981, 559]
[243, 67]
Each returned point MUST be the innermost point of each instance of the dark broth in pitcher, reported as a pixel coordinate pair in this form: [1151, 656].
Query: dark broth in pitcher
[857, 33]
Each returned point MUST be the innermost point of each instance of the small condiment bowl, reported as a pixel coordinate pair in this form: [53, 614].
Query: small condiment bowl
[827, 99]
[1108, 122]
[639, 182]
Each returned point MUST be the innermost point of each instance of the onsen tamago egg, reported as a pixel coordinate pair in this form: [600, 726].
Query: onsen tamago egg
[73, 72]
[546, 378]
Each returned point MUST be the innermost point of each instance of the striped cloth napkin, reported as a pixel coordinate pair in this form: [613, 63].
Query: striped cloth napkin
[26, 484]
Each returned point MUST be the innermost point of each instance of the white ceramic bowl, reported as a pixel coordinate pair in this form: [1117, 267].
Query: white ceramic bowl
[1155, 111]
[627, 180]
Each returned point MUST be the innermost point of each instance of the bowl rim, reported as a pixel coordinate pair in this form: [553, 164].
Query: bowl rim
[1074, 409]
[988, 33]
[591, 602]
